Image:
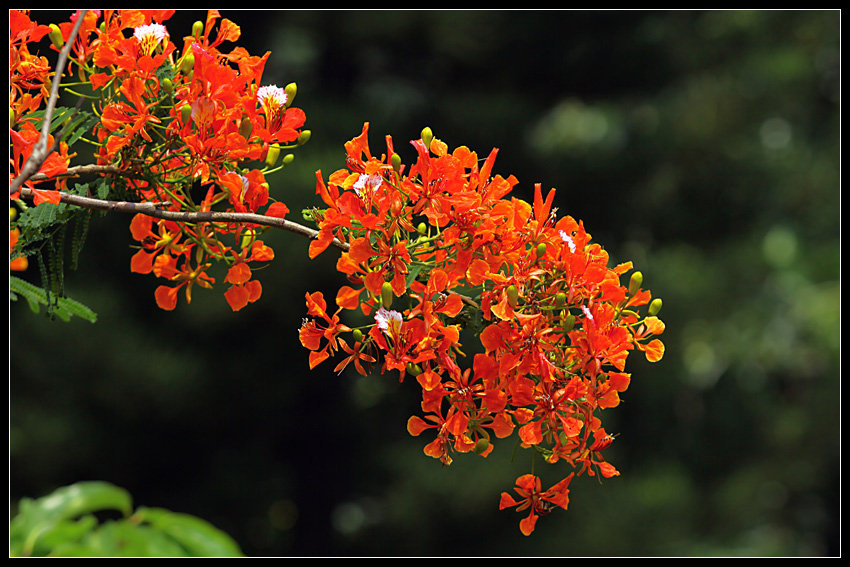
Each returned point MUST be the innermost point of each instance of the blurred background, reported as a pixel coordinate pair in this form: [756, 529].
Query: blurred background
[702, 145]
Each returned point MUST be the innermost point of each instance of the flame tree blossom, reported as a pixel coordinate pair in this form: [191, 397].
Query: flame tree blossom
[191, 127]
[443, 237]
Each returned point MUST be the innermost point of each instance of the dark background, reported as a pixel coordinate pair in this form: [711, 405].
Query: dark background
[703, 146]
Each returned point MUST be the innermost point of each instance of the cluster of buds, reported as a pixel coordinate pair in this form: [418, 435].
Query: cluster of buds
[438, 251]
[189, 131]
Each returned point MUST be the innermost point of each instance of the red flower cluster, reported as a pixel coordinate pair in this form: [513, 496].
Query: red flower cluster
[30, 78]
[435, 253]
[183, 127]
[555, 323]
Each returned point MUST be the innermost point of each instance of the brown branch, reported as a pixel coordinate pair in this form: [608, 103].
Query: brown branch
[39, 151]
[153, 210]
[78, 170]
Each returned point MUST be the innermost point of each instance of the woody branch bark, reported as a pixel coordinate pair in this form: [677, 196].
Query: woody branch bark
[154, 210]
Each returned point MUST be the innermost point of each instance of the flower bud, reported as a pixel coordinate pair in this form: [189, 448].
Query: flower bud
[290, 91]
[560, 299]
[387, 295]
[247, 238]
[186, 114]
[246, 127]
[422, 228]
[167, 85]
[13, 214]
[541, 250]
[513, 295]
[635, 282]
[272, 155]
[395, 161]
[357, 335]
[187, 63]
[55, 36]
[287, 159]
[427, 136]
[197, 28]
[303, 138]
[413, 369]
[481, 445]
[12, 117]
[654, 307]
[568, 321]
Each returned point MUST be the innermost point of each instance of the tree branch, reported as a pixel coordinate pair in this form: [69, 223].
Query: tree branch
[39, 151]
[153, 210]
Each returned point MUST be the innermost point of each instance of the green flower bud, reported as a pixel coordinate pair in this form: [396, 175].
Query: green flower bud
[560, 299]
[167, 85]
[303, 138]
[13, 214]
[568, 321]
[247, 238]
[55, 36]
[197, 28]
[12, 117]
[422, 228]
[291, 89]
[513, 295]
[635, 282]
[395, 161]
[187, 63]
[654, 307]
[186, 114]
[427, 136]
[357, 335]
[272, 155]
[481, 445]
[541, 250]
[287, 159]
[246, 127]
[413, 369]
[387, 295]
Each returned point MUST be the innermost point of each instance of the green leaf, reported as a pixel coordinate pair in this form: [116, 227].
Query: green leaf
[63, 307]
[126, 539]
[63, 524]
[48, 516]
[63, 532]
[84, 498]
[197, 536]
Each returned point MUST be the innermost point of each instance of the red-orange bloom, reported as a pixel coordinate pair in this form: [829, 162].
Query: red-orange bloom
[20, 263]
[537, 501]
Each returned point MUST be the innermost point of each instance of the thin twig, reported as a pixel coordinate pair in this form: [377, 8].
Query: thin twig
[39, 151]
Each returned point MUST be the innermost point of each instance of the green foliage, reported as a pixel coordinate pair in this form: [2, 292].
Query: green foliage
[45, 232]
[71, 123]
[44, 229]
[66, 524]
[62, 307]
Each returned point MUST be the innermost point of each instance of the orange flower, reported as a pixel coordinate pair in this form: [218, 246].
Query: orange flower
[311, 334]
[56, 163]
[185, 275]
[20, 263]
[538, 503]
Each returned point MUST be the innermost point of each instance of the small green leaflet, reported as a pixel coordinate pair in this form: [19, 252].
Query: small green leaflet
[62, 307]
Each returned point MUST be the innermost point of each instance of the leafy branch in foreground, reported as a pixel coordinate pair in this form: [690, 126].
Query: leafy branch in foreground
[79, 520]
